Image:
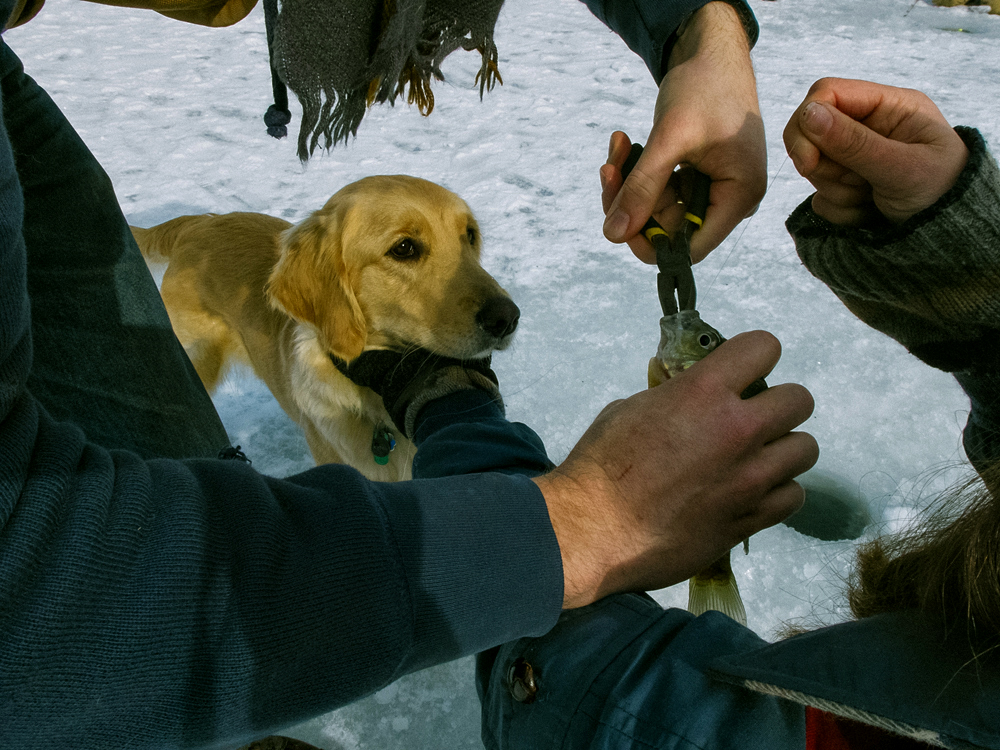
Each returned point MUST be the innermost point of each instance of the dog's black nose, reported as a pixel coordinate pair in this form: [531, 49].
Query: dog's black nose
[499, 316]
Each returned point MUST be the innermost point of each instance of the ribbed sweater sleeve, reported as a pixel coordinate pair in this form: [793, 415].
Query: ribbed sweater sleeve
[649, 27]
[933, 282]
[189, 603]
[186, 603]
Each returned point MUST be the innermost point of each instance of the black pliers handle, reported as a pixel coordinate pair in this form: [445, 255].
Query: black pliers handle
[673, 257]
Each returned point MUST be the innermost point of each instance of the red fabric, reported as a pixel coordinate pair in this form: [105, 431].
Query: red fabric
[824, 731]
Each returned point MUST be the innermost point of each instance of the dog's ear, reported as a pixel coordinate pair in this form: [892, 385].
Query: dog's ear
[311, 284]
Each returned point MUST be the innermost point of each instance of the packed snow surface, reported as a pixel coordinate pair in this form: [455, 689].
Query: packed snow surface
[173, 112]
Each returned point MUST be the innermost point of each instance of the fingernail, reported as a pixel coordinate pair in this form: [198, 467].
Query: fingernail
[816, 118]
[604, 182]
[616, 225]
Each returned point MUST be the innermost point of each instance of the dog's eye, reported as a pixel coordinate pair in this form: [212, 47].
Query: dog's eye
[404, 250]
[471, 234]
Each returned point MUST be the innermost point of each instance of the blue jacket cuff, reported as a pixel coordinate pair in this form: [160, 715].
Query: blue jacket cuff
[649, 27]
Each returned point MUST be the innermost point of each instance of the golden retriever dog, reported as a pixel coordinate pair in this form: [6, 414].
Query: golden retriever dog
[390, 262]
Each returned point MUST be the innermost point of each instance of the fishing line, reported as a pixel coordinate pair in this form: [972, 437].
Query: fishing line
[746, 226]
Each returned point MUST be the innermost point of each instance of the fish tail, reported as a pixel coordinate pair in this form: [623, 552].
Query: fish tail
[715, 588]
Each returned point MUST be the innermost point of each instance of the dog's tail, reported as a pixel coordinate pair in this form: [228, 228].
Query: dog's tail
[157, 243]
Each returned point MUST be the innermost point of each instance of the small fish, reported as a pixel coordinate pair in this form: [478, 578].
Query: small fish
[685, 339]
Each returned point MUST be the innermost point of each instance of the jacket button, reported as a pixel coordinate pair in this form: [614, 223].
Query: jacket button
[522, 681]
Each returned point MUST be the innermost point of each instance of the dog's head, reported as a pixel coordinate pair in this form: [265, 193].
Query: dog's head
[393, 262]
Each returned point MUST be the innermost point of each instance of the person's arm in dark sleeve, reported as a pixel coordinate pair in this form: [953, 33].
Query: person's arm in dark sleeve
[706, 116]
[624, 672]
[932, 283]
[188, 603]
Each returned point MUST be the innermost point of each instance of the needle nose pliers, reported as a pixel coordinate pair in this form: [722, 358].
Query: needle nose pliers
[673, 255]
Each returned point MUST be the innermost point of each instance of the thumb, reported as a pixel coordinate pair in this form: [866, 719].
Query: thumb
[637, 198]
[844, 140]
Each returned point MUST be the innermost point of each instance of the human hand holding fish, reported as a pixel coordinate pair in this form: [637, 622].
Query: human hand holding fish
[684, 340]
[872, 151]
[667, 481]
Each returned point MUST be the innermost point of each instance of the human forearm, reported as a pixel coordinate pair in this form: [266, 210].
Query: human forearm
[931, 282]
[713, 25]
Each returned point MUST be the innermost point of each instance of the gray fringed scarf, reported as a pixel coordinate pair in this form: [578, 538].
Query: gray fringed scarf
[340, 56]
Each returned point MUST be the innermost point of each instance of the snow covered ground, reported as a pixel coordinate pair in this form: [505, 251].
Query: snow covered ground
[173, 113]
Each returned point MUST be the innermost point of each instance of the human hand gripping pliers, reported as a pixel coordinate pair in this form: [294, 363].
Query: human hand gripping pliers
[673, 255]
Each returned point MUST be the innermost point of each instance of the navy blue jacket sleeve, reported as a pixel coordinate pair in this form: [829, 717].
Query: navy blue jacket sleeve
[625, 673]
[467, 433]
[649, 27]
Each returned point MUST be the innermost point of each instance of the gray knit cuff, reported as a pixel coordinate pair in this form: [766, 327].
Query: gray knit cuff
[933, 282]
[441, 383]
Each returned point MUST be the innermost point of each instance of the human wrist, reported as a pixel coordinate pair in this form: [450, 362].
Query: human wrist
[586, 539]
[577, 586]
[951, 164]
[717, 22]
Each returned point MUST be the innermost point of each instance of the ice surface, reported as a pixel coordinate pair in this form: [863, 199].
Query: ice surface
[174, 112]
